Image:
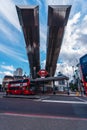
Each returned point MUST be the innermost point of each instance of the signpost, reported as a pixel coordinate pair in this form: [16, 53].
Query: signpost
[42, 73]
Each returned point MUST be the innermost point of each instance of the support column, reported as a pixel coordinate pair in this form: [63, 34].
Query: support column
[54, 92]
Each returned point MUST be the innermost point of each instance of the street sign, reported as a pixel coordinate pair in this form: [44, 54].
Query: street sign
[42, 73]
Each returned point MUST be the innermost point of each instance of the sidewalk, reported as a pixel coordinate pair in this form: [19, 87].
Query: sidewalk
[38, 96]
[22, 96]
[2, 94]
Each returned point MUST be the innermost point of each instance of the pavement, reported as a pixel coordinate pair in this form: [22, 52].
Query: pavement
[39, 96]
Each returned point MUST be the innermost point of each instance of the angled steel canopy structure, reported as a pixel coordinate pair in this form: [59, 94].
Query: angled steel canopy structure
[29, 20]
[57, 20]
[50, 79]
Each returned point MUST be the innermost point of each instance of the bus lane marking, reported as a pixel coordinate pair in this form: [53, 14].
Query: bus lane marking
[42, 116]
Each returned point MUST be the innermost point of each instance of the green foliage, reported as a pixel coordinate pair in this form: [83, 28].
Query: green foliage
[73, 87]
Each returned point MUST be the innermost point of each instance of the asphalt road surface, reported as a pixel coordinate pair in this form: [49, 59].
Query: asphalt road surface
[47, 113]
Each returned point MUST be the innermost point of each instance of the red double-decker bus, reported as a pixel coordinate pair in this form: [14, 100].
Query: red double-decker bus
[83, 73]
[20, 87]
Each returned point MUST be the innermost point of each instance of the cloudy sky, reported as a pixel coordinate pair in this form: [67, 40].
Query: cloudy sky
[12, 43]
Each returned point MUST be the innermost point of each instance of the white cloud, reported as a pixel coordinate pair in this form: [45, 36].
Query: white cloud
[25, 2]
[75, 39]
[7, 73]
[10, 68]
[8, 32]
[83, 5]
[75, 19]
[43, 38]
[85, 18]
[64, 68]
[20, 2]
[58, 2]
[43, 63]
[6, 70]
[39, 2]
[8, 12]
[71, 36]
[84, 25]
[74, 42]
[12, 52]
[23, 60]
[69, 49]
[9, 50]
[9, 18]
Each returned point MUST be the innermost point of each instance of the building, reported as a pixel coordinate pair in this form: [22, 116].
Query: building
[18, 72]
[61, 85]
[5, 81]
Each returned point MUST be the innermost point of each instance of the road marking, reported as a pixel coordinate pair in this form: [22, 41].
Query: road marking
[70, 102]
[81, 99]
[45, 97]
[43, 116]
[42, 98]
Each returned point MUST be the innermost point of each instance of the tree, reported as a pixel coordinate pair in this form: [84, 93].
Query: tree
[73, 87]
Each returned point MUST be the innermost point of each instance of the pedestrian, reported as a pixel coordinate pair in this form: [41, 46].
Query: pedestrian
[68, 93]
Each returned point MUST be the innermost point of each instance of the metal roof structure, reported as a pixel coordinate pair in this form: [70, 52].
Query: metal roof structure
[50, 79]
[29, 20]
[57, 20]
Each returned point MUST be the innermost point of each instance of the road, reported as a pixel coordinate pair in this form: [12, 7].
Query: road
[49, 112]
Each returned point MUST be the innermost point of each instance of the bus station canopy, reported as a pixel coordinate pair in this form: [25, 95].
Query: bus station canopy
[29, 21]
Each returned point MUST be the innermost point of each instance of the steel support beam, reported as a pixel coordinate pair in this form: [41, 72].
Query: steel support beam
[29, 21]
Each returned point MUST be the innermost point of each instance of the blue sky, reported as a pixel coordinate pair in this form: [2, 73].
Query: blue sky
[12, 43]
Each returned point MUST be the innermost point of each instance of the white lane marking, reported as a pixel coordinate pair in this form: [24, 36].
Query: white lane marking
[45, 97]
[43, 116]
[42, 98]
[80, 99]
[70, 102]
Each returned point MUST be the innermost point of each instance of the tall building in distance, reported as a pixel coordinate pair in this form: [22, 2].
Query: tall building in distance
[18, 72]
